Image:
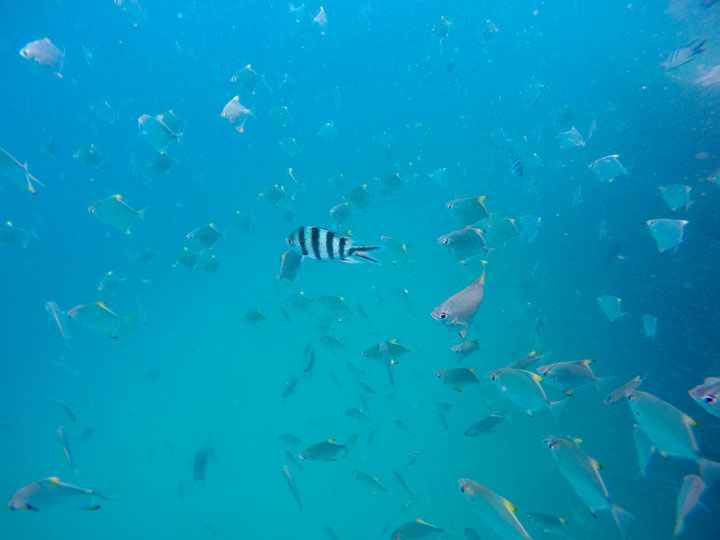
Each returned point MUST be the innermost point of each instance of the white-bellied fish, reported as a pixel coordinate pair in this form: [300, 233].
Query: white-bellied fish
[670, 430]
[583, 474]
[643, 449]
[548, 523]
[323, 451]
[457, 378]
[161, 130]
[524, 390]
[458, 311]
[291, 485]
[682, 55]
[418, 530]
[110, 283]
[17, 172]
[324, 245]
[205, 235]
[497, 513]
[236, 114]
[668, 233]
[52, 493]
[568, 376]
[610, 306]
[13, 235]
[707, 395]
[688, 499]
[485, 425]
[465, 243]
[44, 53]
[89, 156]
[115, 212]
[649, 324]
[373, 482]
[607, 168]
[65, 444]
[465, 349]
[571, 138]
[469, 210]
[676, 196]
[96, 316]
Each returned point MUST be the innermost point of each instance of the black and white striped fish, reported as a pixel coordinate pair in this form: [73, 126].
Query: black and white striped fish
[325, 245]
[515, 164]
[683, 55]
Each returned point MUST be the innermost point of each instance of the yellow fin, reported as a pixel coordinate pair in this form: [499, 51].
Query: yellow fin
[535, 376]
[117, 196]
[509, 505]
[690, 421]
[394, 340]
[482, 197]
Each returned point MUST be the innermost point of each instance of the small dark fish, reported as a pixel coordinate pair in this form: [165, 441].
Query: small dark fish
[322, 451]
[486, 425]
[365, 387]
[86, 434]
[292, 459]
[66, 410]
[290, 387]
[365, 403]
[516, 167]
[400, 424]
[414, 457]
[290, 439]
[358, 414]
[443, 419]
[330, 533]
[291, 485]
[371, 437]
[400, 480]
[290, 265]
[63, 438]
[465, 349]
[309, 360]
[351, 442]
[200, 463]
[526, 360]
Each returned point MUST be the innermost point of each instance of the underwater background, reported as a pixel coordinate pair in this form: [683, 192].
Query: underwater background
[425, 89]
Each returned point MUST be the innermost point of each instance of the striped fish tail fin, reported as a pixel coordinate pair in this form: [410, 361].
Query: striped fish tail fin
[360, 252]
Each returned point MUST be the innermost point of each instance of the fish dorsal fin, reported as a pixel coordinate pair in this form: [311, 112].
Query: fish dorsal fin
[54, 479]
[420, 520]
[596, 465]
[393, 361]
[393, 340]
[331, 441]
[482, 198]
[689, 421]
[507, 504]
[577, 440]
[117, 196]
[535, 376]
[101, 304]
[588, 361]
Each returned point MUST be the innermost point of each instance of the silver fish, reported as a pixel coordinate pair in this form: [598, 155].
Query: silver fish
[51, 492]
[643, 448]
[465, 349]
[289, 265]
[620, 392]
[17, 172]
[115, 212]
[418, 530]
[369, 480]
[497, 513]
[548, 523]
[485, 425]
[459, 310]
[465, 243]
[568, 376]
[98, 317]
[291, 485]
[583, 474]
[523, 388]
[65, 443]
[457, 378]
[236, 114]
[707, 395]
[205, 236]
[44, 53]
[688, 499]
[323, 451]
[468, 211]
[13, 235]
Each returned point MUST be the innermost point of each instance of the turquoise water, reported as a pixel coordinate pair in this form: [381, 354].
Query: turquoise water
[412, 88]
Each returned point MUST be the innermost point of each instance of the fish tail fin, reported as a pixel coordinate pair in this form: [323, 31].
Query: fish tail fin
[700, 47]
[129, 321]
[360, 252]
[710, 471]
[557, 409]
[142, 213]
[623, 520]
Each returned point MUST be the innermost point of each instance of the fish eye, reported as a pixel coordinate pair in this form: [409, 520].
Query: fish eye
[629, 396]
[443, 316]
[708, 399]
[446, 241]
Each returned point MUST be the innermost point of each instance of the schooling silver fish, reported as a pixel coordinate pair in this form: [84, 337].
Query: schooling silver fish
[325, 245]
